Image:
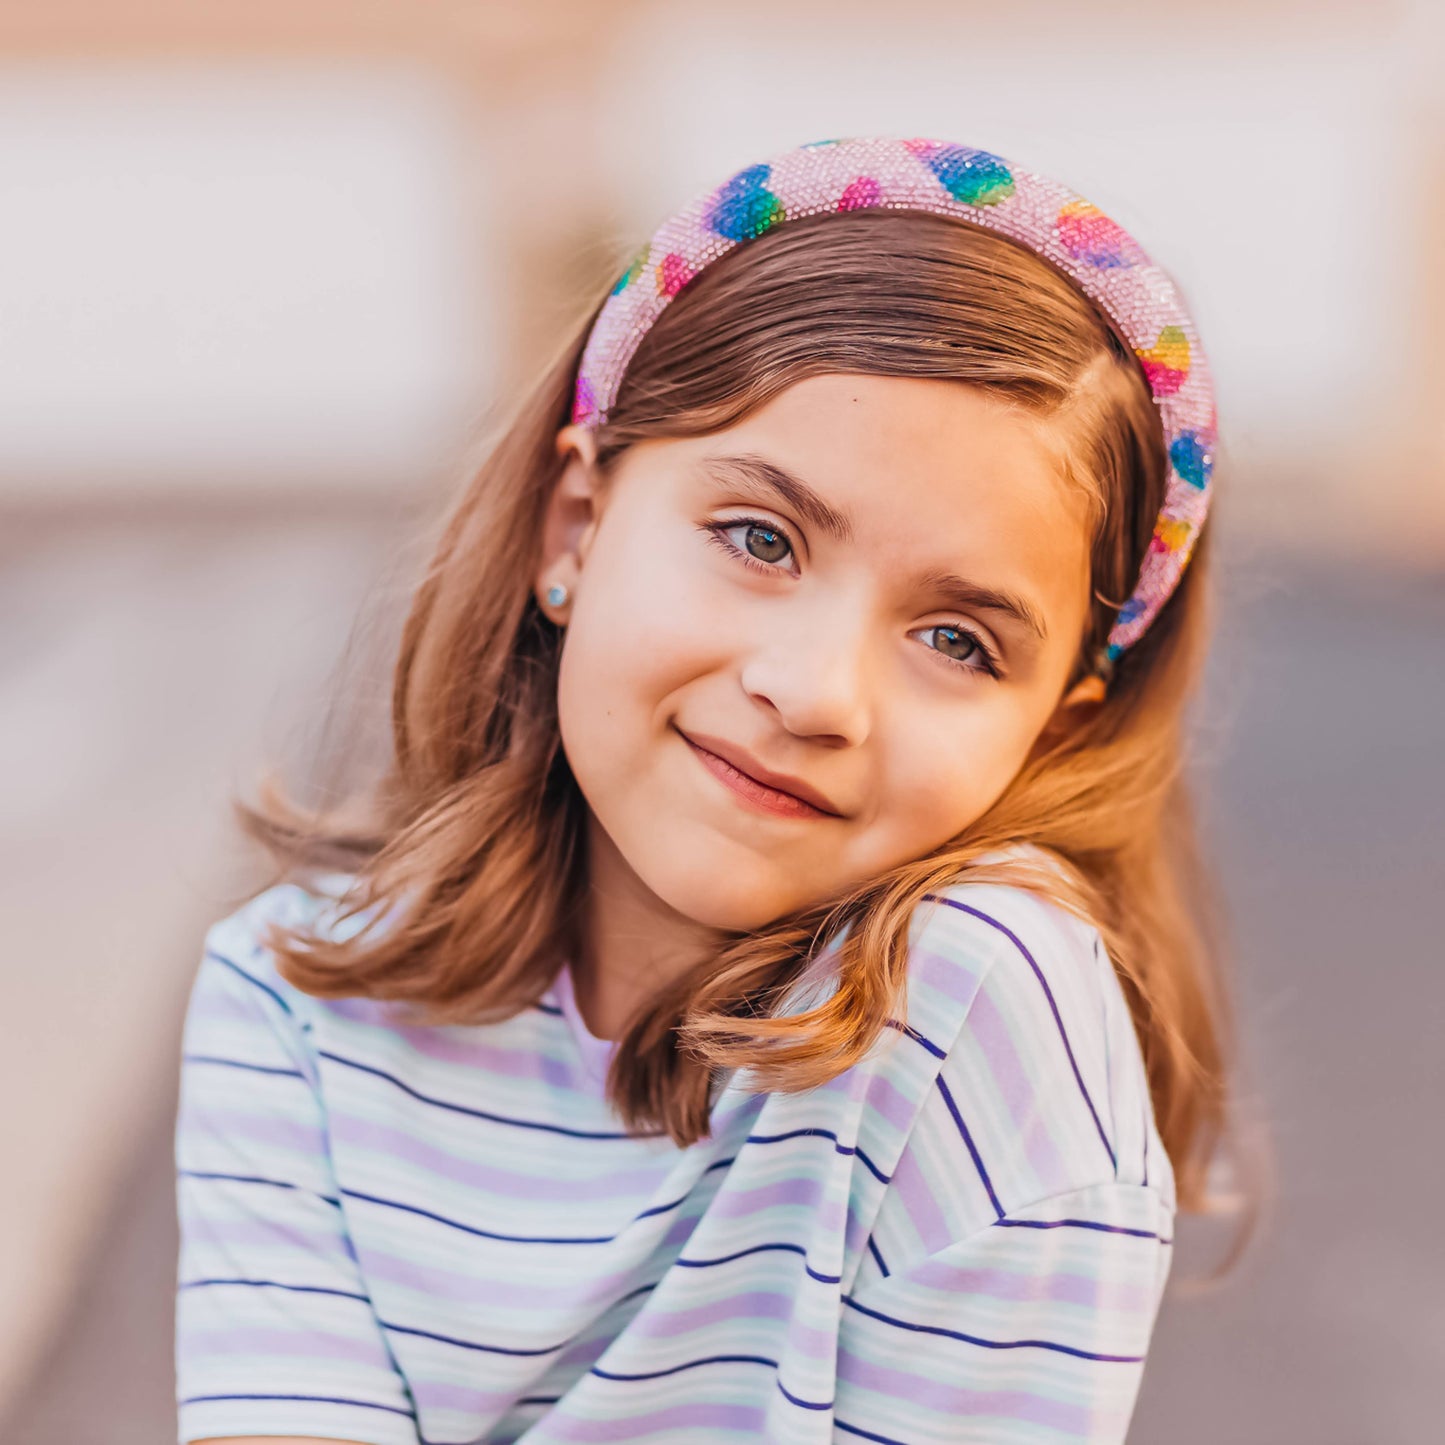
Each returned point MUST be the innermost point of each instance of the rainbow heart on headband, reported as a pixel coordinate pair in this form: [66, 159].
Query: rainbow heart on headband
[1170, 535]
[632, 272]
[1166, 363]
[1192, 458]
[860, 194]
[673, 274]
[1088, 235]
[977, 178]
[744, 207]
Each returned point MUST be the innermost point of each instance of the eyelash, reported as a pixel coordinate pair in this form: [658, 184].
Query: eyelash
[716, 531]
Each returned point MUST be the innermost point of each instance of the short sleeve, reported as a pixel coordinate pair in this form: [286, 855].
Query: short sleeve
[275, 1332]
[1019, 1254]
[1032, 1331]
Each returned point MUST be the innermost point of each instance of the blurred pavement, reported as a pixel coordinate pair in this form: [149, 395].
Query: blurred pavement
[1320, 762]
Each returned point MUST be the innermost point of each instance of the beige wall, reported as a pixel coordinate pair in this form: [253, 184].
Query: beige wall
[531, 145]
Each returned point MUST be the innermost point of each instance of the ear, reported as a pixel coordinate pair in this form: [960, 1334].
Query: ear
[1074, 708]
[570, 520]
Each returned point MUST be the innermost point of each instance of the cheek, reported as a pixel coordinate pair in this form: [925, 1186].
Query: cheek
[641, 628]
[943, 775]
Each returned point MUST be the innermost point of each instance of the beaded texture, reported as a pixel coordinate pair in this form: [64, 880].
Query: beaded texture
[1094, 252]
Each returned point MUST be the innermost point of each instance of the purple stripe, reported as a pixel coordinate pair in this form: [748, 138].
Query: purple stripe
[1004, 1284]
[891, 1103]
[630, 1183]
[968, 1140]
[233, 1124]
[309, 1344]
[804, 1190]
[705, 1417]
[1019, 1088]
[991, 1344]
[416, 1094]
[472, 1229]
[915, 1192]
[448, 1285]
[228, 1233]
[938, 1394]
[468, 1050]
[1048, 994]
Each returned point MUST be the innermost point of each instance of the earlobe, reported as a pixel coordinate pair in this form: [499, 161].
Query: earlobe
[568, 522]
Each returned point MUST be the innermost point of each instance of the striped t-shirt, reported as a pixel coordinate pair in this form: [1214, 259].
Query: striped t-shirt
[427, 1236]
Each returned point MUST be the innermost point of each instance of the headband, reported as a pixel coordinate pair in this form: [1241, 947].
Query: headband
[881, 172]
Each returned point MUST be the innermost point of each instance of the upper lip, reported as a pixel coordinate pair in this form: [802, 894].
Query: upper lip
[744, 762]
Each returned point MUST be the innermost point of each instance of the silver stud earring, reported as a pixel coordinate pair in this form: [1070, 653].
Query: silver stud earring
[556, 594]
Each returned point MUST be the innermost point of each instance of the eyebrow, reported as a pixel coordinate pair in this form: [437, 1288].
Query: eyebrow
[750, 468]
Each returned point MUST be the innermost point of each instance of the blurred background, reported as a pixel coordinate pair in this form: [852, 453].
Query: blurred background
[268, 269]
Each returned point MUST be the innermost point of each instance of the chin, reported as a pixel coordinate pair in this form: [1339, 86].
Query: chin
[732, 894]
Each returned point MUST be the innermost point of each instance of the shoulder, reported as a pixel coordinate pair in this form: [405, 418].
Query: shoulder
[998, 939]
[237, 955]
[1037, 1067]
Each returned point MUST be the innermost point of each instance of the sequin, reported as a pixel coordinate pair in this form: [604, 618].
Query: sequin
[1097, 254]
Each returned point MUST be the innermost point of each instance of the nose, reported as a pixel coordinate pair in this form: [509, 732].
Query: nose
[816, 673]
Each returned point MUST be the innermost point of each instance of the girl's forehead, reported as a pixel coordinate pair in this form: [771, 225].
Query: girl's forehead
[901, 462]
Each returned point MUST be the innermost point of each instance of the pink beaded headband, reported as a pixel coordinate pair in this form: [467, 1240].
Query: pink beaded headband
[1096, 253]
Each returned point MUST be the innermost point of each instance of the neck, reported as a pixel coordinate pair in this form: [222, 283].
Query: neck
[631, 943]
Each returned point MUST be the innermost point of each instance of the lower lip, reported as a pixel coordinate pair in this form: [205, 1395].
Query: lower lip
[767, 800]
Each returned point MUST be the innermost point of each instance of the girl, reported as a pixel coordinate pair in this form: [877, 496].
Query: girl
[765, 997]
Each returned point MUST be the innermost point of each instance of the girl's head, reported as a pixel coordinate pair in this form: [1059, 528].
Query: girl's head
[861, 516]
[815, 539]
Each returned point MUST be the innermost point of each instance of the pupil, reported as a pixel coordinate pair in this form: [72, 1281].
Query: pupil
[772, 540]
[959, 638]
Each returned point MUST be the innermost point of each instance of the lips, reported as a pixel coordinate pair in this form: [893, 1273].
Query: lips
[776, 792]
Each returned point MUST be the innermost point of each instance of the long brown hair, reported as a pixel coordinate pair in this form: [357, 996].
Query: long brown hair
[473, 841]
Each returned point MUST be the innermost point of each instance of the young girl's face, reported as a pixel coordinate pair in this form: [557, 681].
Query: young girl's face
[870, 592]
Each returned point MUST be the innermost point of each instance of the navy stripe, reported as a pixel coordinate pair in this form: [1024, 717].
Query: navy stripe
[309, 1399]
[1146, 1136]
[793, 1399]
[991, 1344]
[674, 1203]
[1079, 1224]
[470, 1344]
[968, 1139]
[482, 1113]
[254, 982]
[276, 1284]
[548, 1008]
[1048, 994]
[917, 1037]
[760, 1249]
[874, 1251]
[866, 1434]
[877, 1173]
[472, 1229]
[689, 1365]
[239, 1064]
[255, 1179]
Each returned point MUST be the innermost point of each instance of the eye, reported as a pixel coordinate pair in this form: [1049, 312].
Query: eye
[963, 648]
[763, 545]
